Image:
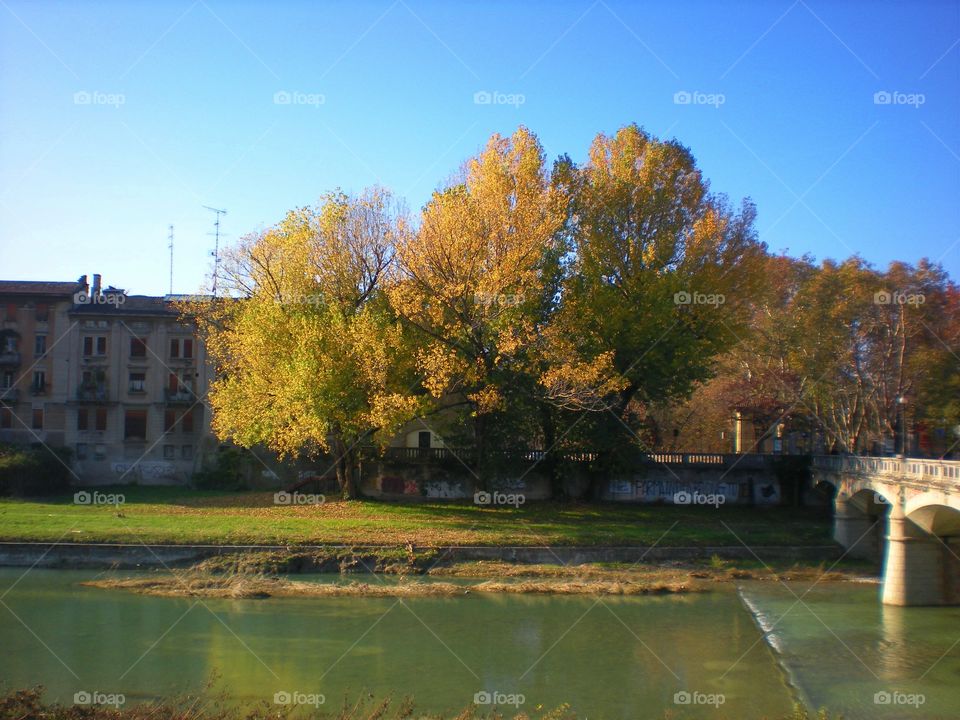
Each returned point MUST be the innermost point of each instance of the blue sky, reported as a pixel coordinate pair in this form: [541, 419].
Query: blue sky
[180, 112]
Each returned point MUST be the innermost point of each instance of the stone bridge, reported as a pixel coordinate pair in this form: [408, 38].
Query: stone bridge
[904, 511]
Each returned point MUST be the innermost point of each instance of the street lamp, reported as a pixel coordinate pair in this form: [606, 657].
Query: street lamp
[901, 426]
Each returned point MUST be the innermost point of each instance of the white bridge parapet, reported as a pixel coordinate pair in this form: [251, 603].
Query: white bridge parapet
[910, 508]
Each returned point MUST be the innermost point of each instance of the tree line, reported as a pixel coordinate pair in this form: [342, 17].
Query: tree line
[617, 305]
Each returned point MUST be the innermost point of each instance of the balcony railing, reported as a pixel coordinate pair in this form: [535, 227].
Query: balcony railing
[92, 394]
[179, 395]
[9, 357]
[10, 395]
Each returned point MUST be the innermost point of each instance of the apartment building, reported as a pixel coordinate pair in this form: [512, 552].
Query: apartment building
[117, 378]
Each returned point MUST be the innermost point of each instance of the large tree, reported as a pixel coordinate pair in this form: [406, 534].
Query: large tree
[309, 356]
[661, 276]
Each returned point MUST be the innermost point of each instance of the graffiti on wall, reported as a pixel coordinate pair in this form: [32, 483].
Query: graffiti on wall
[146, 471]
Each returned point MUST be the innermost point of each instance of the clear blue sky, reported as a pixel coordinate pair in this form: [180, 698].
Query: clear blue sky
[92, 187]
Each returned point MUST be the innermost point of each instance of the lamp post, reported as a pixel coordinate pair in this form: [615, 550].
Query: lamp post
[901, 438]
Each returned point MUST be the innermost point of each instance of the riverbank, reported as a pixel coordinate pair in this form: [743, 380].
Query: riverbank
[179, 516]
[255, 576]
[20, 704]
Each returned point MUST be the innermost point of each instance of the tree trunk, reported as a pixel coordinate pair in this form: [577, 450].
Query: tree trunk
[549, 462]
[345, 463]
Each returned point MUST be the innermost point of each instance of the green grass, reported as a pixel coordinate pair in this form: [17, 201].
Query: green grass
[180, 516]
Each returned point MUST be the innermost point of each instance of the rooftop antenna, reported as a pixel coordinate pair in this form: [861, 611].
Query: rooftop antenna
[216, 248]
[170, 245]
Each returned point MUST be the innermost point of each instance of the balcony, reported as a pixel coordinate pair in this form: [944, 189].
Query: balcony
[92, 393]
[9, 396]
[179, 395]
[9, 358]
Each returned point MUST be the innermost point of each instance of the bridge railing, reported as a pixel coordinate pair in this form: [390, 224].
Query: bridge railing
[913, 468]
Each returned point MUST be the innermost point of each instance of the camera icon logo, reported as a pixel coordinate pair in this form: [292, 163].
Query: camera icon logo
[82, 498]
[282, 498]
[882, 697]
[281, 97]
[82, 698]
[682, 97]
[681, 697]
[682, 298]
[282, 698]
[481, 497]
[482, 698]
[682, 498]
[482, 97]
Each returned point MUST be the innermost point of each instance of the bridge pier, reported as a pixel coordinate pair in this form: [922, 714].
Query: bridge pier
[914, 570]
[855, 530]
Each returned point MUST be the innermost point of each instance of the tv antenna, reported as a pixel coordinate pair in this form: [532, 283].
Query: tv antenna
[216, 247]
[170, 245]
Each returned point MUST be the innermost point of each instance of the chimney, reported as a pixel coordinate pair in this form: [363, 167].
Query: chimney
[82, 282]
[95, 290]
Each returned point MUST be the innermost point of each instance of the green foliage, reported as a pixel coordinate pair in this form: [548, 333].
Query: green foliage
[225, 474]
[34, 470]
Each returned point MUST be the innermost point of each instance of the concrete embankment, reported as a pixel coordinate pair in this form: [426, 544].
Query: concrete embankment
[133, 555]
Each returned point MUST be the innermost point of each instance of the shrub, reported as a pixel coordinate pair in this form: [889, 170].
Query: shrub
[34, 470]
[225, 474]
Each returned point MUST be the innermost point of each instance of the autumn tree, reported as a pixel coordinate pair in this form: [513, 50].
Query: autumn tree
[309, 356]
[661, 275]
[474, 279]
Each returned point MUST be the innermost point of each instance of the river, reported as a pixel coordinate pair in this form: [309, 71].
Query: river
[698, 656]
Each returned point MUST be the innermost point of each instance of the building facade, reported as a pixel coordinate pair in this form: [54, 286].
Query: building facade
[119, 379]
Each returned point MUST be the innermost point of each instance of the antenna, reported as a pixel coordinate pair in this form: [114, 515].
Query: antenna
[216, 248]
[170, 238]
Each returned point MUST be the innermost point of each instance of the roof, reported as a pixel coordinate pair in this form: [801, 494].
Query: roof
[38, 287]
[130, 305]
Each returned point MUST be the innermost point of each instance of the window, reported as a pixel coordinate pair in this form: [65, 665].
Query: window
[186, 452]
[187, 421]
[40, 345]
[7, 380]
[11, 312]
[39, 381]
[38, 418]
[82, 419]
[173, 382]
[101, 419]
[81, 451]
[94, 345]
[138, 347]
[138, 381]
[169, 452]
[10, 343]
[135, 425]
[99, 452]
[174, 347]
[6, 418]
[43, 312]
[169, 420]
[188, 347]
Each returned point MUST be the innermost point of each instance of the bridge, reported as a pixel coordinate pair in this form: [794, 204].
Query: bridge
[905, 511]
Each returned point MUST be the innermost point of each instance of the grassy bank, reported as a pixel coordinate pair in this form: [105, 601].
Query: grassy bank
[179, 516]
[22, 704]
[254, 575]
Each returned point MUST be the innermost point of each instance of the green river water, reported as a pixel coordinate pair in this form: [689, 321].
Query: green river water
[608, 658]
